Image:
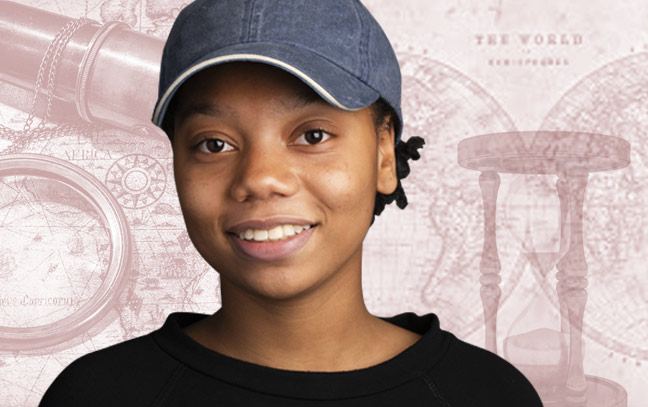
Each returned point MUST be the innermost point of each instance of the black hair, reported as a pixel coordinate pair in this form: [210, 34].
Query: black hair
[404, 150]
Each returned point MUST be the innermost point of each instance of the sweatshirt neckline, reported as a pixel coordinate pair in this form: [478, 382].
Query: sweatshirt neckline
[407, 365]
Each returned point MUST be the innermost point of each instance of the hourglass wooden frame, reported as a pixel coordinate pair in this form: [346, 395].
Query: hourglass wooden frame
[571, 156]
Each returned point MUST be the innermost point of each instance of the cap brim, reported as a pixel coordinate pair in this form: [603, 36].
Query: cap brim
[332, 83]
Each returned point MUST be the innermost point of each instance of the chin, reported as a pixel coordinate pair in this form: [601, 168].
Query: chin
[278, 285]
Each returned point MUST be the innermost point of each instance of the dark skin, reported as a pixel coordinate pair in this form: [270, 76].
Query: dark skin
[276, 149]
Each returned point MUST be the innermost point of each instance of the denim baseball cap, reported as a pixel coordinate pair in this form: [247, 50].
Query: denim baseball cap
[334, 46]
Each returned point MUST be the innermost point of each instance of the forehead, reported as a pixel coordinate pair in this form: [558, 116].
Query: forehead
[240, 93]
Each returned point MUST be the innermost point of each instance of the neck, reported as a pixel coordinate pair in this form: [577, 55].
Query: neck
[326, 329]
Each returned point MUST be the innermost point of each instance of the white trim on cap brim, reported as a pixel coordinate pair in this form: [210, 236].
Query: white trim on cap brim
[250, 57]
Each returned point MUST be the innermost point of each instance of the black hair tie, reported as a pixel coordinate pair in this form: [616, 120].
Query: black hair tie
[404, 152]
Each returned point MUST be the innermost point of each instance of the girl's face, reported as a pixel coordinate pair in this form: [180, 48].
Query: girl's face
[253, 144]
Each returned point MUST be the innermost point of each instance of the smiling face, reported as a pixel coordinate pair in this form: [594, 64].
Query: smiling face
[255, 149]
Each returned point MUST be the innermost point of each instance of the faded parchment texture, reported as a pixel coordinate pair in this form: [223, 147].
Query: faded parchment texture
[539, 225]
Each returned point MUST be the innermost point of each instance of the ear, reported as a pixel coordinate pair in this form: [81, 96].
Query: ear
[386, 180]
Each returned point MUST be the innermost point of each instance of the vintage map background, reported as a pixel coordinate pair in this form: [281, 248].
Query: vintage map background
[92, 243]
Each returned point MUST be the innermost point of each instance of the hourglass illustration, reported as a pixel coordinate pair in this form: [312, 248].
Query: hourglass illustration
[537, 340]
[551, 356]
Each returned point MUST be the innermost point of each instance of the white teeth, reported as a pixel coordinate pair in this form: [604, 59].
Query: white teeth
[260, 235]
[276, 233]
[288, 230]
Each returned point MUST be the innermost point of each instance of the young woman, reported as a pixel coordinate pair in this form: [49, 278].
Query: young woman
[285, 121]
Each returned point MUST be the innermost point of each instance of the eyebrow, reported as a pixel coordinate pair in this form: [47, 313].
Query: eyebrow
[205, 109]
[300, 101]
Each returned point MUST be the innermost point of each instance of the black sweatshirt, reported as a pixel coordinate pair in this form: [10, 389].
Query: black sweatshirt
[168, 368]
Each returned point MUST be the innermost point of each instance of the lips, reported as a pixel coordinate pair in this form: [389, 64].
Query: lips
[267, 224]
[270, 250]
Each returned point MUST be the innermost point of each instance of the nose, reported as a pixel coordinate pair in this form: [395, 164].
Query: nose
[264, 171]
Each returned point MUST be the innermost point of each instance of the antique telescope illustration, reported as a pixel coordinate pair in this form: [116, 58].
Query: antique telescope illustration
[100, 73]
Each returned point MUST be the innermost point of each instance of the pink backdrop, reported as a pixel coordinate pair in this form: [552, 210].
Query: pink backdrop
[93, 249]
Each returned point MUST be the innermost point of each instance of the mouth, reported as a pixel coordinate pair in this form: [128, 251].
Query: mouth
[277, 243]
[277, 233]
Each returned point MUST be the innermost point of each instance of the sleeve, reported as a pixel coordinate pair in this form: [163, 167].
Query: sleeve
[73, 387]
[472, 376]
[131, 373]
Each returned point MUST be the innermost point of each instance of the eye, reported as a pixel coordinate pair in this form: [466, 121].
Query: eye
[314, 136]
[213, 145]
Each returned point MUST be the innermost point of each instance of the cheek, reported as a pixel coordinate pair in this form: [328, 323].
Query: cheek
[197, 196]
[349, 185]
[199, 201]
